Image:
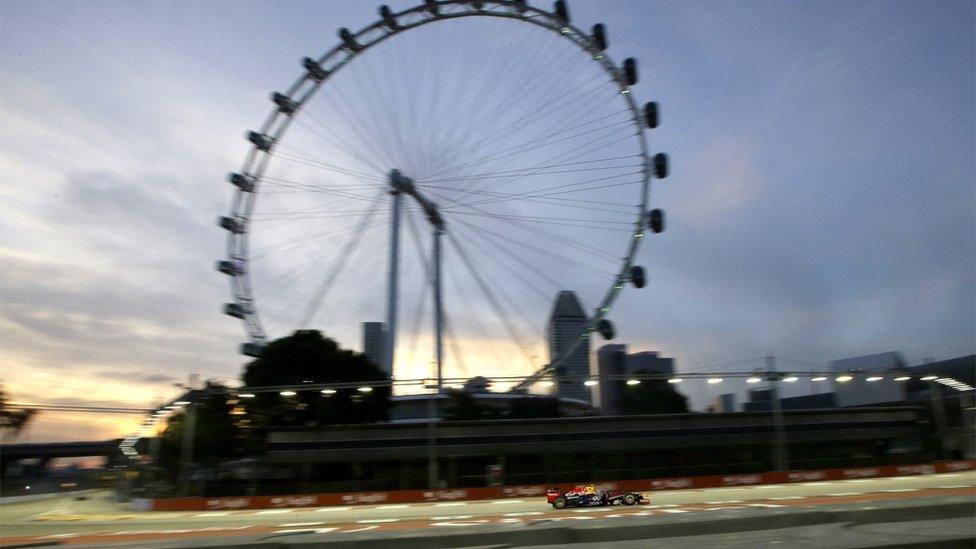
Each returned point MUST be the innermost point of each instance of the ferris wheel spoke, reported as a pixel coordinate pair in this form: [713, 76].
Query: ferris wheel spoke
[534, 230]
[492, 298]
[358, 126]
[569, 185]
[488, 235]
[291, 151]
[499, 181]
[327, 134]
[290, 243]
[484, 113]
[535, 193]
[329, 280]
[534, 144]
[551, 201]
[488, 141]
[524, 94]
[546, 296]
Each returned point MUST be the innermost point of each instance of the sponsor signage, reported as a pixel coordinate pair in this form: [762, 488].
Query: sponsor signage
[499, 492]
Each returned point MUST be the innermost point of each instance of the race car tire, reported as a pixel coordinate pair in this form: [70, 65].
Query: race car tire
[559, 503]
[630, 499]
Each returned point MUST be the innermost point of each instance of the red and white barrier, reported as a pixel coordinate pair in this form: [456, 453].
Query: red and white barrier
[539, 490]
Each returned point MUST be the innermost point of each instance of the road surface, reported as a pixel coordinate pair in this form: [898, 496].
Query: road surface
[99, 520]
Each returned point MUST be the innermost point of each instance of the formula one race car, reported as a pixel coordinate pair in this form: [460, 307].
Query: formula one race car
[589, 496]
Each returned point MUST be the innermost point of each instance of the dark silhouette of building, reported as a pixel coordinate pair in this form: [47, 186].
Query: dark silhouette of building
[649, 362]
[374, 342]
[611, 363]
[566, 325]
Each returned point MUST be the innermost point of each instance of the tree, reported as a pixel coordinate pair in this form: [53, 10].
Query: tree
[653, 396]
[16, 419]
[218, 433]
[307, 357]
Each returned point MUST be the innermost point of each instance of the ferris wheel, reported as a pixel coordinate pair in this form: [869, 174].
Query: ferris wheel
[447, 170]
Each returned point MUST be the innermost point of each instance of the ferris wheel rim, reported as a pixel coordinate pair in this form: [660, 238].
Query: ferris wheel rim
[306, 86]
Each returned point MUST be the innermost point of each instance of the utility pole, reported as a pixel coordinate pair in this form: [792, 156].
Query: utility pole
[780, 457]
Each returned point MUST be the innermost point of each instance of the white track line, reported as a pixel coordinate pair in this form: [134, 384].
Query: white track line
[214, 514]
[384, 507]
[329, 509]
[451, 504]
[363, 529]
[376, 521]
[294, 524]
[524, 514]
[274, 511]
[454, 517]
[674, 511]
[506, 501]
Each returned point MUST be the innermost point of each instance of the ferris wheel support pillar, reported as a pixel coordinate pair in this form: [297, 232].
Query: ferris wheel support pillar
[391, 303]
[438, 310]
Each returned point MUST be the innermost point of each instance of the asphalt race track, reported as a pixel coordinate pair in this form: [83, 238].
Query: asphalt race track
[98, 520]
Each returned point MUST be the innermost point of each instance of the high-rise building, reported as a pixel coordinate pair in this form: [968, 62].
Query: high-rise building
[649, 362]
[611, 361]
[566, 325]
[374, 343]
[859, 391]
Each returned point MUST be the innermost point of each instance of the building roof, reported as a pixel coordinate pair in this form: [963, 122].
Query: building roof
[567, 306]
[869, 363]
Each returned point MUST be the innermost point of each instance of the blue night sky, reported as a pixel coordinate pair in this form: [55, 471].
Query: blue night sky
[821, 201]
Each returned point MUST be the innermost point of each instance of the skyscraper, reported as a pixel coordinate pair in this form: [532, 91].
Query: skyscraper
[611, 361]
[374, 343]
[566, 324]
[649, 362]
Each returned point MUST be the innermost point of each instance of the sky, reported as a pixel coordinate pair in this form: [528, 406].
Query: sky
[820, 205]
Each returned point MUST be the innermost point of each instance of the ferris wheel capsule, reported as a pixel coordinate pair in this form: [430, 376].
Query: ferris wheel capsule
[605, 327]
[243, 182]
[432, 7]
[252, 349]
[386, 14]
[286, 105]
[630, 71]
[599, 37]
[656, 220]
[561, 11]
[235, 226]
[661, 165]
[348, 40]
[236, 310]
[315, 71]
[637, 276]
[261, 141]
[651, 114]
[229, 268]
